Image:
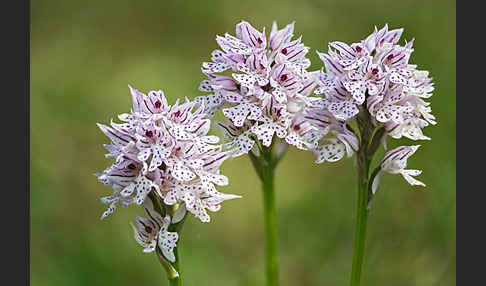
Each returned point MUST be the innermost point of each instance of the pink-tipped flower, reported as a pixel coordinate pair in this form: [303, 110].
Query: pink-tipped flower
[164, 150]
[375, 73]
[266, 94]
[265, 87]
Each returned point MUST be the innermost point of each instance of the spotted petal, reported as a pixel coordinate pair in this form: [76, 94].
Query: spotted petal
[215, 67]
[205, 85]
[331, 152]
[343, 110]
[157, 157]
[246, 80]
[396, 77]
[357, 89]
[264, 132]
[237, 114]
[182, 173]
[144, 187]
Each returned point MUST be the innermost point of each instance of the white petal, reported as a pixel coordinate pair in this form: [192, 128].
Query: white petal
[242, 145]
[245, 79]
[343, 110]
[395, 77]
[169, 255]
[331, 152]
[237, 114]
[156, 158]
[180, 132]
[128, 190]
[171, 197]
[144, 186]
[407, 174]
[215, 67]
[210, 139]
[357, 89]
[144, 154]
[182, 173]
[264, 133]
[150, 247]
[109, 210]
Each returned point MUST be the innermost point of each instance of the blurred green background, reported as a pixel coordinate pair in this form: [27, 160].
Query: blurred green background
[85, 53]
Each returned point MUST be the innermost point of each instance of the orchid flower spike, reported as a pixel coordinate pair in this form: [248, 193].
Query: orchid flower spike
[265, 92]
[165, 158]
[369, 90]
[374, 80]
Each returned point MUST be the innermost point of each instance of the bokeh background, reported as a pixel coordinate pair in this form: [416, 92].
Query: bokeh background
[85, 53]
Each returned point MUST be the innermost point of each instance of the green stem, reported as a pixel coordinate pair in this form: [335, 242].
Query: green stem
[362, 212]
[270, 225]
[360, 235]
[172, 269]
[265, 164]
[176, 280]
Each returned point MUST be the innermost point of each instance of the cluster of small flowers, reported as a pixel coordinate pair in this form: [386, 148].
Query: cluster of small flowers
[374, 76]
[266, 91]
[165, 150]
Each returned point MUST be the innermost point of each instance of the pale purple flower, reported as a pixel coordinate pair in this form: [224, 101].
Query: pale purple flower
[372, 76]
[375, 72]
[164, 150]
[265, 87]
[159, 146]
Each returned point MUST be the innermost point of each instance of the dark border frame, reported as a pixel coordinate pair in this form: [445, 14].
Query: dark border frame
[15, 43]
